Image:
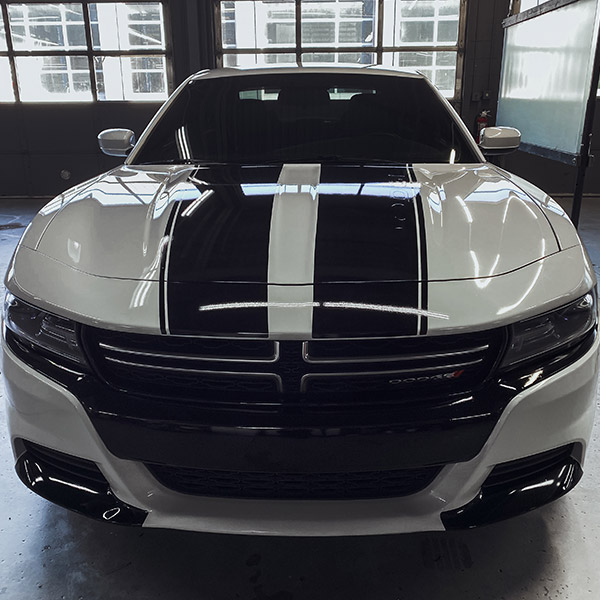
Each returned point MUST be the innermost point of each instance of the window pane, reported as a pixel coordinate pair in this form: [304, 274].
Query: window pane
[131, 77]
[416, 32]
[53, 78]
[338, 22]
[6, 88]
[439, 67]
[2, 35]
[422, 8]
[334, 58]
[47, 26]
[258, 60]
[448, 32]
[420, 22]
[127, 26]
[258, 24]
[318, 34]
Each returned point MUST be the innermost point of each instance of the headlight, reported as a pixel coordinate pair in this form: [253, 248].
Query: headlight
[55, 335]
[551, 331]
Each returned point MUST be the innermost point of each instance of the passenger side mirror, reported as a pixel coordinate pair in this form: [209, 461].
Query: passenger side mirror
[116, 142]
[499, 140]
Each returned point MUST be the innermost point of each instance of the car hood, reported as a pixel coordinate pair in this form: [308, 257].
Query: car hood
[299, 251]
[300, 224]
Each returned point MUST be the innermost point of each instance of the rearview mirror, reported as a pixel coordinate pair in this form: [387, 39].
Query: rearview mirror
[116, 142]
[499, 140]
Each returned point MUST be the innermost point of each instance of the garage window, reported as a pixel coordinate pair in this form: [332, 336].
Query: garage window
[427, 35]
[84, 51]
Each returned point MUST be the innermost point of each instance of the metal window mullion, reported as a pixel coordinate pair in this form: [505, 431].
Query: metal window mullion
[69, 71]
[460, 51]
[85, 52]
[90, 56]
[290, 50]
[11, 55]
[379, 47]
[299, 32]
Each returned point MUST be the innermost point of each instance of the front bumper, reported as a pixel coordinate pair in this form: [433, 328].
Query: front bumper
[552, 413]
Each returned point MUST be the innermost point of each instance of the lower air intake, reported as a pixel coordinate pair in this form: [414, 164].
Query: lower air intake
[295, 486]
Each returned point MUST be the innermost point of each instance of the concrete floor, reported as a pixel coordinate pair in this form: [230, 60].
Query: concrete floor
[48, 553]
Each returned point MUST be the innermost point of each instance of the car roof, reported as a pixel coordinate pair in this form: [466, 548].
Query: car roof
[364, 69]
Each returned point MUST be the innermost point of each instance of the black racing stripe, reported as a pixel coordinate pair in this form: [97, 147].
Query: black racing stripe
[331, 174]
[424, 275]
[363, 237]
[163, 266]
[219, 256]
[237, 174]
[226, 238]
[351, 315]
[227, 315]
[366, 253]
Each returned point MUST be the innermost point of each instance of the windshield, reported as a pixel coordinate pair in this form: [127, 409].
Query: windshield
[307, 117]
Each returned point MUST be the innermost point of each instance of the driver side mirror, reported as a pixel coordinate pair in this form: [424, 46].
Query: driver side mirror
[116, 142]
[499, 140]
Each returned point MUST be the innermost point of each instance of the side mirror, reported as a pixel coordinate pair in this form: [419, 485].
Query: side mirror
[116, 142]
[499, 140]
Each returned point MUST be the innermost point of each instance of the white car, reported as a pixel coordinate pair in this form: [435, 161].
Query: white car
[305, 305]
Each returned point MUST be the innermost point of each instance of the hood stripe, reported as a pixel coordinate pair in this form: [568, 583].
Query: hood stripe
[423, 275]
[369, 254]
[292, 241]
[164, 266]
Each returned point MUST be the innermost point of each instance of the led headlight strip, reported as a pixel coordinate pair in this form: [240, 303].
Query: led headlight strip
[551, 331]
[52, 333]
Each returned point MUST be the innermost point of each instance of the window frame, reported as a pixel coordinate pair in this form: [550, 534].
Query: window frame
[378, 49]
[89, 53]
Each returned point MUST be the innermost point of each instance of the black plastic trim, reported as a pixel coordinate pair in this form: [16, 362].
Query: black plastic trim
[298, 432]
[519, 486]
[73, 483]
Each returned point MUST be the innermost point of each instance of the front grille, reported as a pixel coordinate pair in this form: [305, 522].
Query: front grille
[294, 486]
[187, 367]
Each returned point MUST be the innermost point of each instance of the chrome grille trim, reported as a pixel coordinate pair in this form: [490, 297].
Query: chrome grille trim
[412, 372]
[179, 367]
[382, 359]
[271, 376]
[191, 357]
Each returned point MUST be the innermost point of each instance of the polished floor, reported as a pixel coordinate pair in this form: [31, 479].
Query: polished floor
[48, 553]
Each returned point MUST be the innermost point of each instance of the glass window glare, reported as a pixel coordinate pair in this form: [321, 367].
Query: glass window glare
[130, 77]
[247, 61]
[336, 58]
[127, 26]
[345, 32]
[2, 35]
[39, 27]
[334, 23]
[420, 23]
[7, 93]
[55, 44]
[54, 78]
[438, 67]
[258, 24]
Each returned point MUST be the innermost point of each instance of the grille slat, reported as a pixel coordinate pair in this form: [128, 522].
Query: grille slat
[189, 368]
[392, 358]
[189, 357]
[295, 486]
